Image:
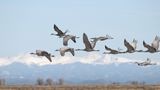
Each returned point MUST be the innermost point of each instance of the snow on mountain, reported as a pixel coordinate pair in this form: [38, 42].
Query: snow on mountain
[91, 58]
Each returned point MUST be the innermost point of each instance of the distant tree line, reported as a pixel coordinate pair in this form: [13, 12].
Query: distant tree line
[2, 82]
[129, 82]
[49, 82]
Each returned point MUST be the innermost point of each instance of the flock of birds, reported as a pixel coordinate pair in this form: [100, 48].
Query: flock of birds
[90, 45]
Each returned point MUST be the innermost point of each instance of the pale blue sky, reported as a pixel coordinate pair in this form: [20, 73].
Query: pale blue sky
[25, 25]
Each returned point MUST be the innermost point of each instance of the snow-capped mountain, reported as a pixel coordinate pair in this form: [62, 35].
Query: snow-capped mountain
[93, 68]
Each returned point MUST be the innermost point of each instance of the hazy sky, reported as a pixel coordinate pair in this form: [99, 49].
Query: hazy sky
[25, 25]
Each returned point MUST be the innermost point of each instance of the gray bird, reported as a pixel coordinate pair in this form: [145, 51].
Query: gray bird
[130, 48]
[88, 46]
[63, 50]
[66, 38]
[112, 51]
[100, 38]
[155, 42]
[145, 63]
[43, 53]
[59, 32]
[154, 45]
[149, 48]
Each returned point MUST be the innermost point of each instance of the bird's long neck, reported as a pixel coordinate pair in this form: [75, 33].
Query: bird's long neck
[33, 53]
[79, 49]
[57, 50]
[54, 34]
[95, 50]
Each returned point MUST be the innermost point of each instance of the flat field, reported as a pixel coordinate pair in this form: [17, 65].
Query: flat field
[83, 87]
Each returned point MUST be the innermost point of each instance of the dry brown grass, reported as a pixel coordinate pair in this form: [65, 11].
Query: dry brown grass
[83, 87]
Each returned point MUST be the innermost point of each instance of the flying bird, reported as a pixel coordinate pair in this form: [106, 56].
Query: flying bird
[43, 53]
[112, 51]
[130, 47]
[145, 63]
[100, 38]
[63, 50]
[149, 48]
[134, 44]
[154, 45]
[59, 32]
[155, 42]
[66, 38]
[88, 46]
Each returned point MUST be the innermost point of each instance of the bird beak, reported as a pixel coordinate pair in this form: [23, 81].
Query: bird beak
[52, 34]
[31, 53]
[52, 56]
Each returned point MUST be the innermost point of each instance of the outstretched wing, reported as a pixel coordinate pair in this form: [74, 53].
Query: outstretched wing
[86, 42]
[65, 40]
[150, 48]
[107, 48]
[57, 29]
[47, 55]
[111, 50]
[49, 58]
[72, 51]
[155, 43]
[73, 38]
[128, 46]
[93, 43]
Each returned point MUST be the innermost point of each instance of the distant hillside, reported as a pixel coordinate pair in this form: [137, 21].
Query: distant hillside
[26, 69]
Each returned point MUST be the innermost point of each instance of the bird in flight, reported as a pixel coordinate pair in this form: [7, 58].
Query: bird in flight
[63, 50]
[88, 46]
[43, 53]
[60, 33]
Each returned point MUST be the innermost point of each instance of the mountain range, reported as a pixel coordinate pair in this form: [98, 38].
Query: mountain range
[93, 68]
